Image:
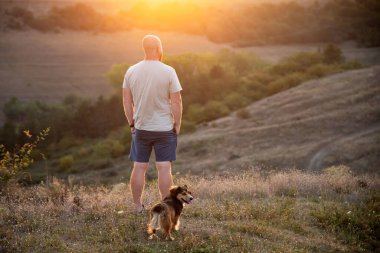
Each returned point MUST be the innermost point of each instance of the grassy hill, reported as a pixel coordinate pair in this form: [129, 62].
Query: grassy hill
[256, 211]
[325, 122]
[333, 120]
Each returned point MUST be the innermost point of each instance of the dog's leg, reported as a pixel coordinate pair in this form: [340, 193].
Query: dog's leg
[167, 227]
[176, 227]
[154, 225]
[169, 236]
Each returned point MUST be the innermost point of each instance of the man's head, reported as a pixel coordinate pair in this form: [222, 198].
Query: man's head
[152, 47]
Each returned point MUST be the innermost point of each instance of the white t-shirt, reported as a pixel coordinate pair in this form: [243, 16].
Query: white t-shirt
[151, 82]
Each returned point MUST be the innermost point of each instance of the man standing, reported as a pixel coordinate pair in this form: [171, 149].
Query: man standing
[153, 107]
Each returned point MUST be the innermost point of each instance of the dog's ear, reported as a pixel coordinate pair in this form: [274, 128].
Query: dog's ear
[174, 190]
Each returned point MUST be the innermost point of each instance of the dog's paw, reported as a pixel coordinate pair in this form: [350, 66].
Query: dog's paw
[170, 238]
[151, 237]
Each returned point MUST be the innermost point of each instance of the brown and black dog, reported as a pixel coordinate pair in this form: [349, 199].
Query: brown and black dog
[166, 214]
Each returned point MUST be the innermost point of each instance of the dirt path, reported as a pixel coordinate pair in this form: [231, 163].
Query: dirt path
[326, 149]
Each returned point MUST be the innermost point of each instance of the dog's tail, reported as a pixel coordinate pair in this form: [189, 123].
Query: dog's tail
[154, 224]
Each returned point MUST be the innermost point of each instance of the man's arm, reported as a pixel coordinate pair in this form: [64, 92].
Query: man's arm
[128, 105]
[176, 107]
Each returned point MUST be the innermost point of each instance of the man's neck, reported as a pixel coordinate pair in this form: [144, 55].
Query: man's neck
[151, 58]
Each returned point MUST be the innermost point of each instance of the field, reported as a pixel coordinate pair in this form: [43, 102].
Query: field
[257, 211]
[50, 66]
[280, 149]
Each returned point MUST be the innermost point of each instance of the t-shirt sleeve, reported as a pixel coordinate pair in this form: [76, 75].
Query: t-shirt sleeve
[175, 85]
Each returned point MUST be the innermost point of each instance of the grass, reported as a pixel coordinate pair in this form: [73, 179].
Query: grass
[254, 212]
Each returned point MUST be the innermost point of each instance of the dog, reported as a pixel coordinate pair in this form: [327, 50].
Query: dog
[166, 214]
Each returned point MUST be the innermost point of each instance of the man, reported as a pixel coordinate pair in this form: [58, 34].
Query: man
[153, 107]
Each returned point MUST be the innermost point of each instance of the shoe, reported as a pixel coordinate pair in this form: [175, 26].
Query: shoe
[141, 211]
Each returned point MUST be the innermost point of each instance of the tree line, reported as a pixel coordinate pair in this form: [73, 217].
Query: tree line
[243, 25]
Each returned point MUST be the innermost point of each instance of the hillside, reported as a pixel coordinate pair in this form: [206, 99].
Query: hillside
[334, 120]
[324, 122]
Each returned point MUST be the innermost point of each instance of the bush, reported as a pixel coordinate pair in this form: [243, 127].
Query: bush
[351, 65]
[109, 148]
[12, 163]
[332, 54]
[286, 82]
[188, 126]
[66, 162]
[243, 114]
[195, 113]
[235, 100]
[296, 63]
[68, 142]
[126, 137]
[116, 75]
[117, 149]
[320, 70]
[215, 109]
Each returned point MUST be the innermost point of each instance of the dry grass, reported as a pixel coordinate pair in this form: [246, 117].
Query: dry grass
[253, 212]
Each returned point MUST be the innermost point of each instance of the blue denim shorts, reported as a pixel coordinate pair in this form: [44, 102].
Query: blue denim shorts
[163, 143]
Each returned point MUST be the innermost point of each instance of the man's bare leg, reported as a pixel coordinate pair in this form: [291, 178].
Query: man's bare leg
[137, 183]
[165, 180]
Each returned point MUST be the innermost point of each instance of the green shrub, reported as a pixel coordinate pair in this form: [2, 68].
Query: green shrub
[12, 163]
[116, 75]
[117, 149]
[351, 65]
[66, 162]
[188, 126]
[243, 114]
[103, 149]
[286, 82]
[109, 148]
[332, 54]
[126, 136]
[98, 163]
[235, 100]
[195, 113]
[320, 70]
[296, 63]
[68, 142]
[215, 109]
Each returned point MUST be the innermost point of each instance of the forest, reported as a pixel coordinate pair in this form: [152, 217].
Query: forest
[243, 25]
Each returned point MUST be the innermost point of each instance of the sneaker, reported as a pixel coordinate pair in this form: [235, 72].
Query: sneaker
[141, 210]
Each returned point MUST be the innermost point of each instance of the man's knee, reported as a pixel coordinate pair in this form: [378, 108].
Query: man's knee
[164, 166]
[140, 166]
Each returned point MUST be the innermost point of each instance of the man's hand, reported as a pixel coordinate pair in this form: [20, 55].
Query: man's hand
[128, 106]
[176, 107]
[177, 128]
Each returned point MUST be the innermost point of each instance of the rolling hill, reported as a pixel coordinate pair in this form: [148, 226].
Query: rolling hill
[330, 121]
